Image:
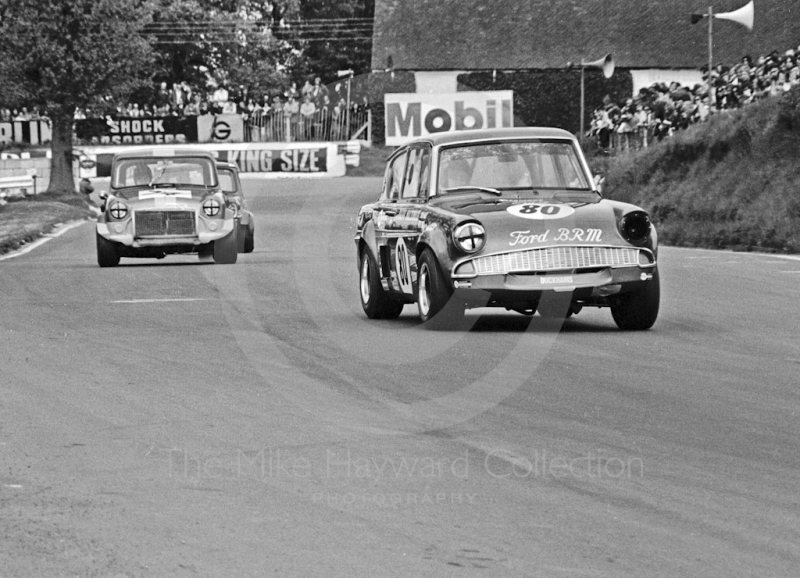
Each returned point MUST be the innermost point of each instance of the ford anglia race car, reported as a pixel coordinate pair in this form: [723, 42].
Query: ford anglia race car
[164, 202]
[503, 218]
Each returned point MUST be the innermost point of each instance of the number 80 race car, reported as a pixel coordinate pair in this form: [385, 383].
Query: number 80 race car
[503, 218]
[164, 202]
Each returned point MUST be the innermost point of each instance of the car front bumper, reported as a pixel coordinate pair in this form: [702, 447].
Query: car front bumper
[602, 283]
[200, 238]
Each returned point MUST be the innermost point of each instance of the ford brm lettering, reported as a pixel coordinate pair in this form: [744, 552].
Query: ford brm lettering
[413, 115]
[503, 218]
[164, 202]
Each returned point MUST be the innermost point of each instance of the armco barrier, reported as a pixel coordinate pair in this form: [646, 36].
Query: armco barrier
[270, 160]
[26, 165]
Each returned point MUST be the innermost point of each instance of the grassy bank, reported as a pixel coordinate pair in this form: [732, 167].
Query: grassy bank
[25, 220]
[731, 183]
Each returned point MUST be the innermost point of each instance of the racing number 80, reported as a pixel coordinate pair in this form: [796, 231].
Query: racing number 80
[545, 210]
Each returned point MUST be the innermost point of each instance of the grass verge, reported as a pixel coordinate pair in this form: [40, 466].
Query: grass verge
[25, 220]
[731, 183]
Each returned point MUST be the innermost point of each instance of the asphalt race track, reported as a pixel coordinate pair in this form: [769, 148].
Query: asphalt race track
[179, 418]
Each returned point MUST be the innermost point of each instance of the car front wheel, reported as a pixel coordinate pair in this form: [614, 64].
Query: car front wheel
[436, 307]
[374, 300]
[638, 310]
[107, 255]
[226, 249]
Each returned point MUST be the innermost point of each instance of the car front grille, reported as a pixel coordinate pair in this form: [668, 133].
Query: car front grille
[161, 223]
[555, 258]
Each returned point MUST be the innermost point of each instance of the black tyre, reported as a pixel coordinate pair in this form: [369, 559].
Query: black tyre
[374, 300]
[240, 237]
[107, 255]
[249, 240]
[638, 310]
[436, 308]
[226, 249]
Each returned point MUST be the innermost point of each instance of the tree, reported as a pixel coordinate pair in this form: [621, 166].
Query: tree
[222, 41]
[60, 55]
[331, 35]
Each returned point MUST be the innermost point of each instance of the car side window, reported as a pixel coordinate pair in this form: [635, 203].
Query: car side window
[417, 174]
[393, 182]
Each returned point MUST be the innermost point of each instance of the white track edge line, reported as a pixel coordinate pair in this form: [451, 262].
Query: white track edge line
[45, 238]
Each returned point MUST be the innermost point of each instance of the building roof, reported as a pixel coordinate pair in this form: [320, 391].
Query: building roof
[524, 34]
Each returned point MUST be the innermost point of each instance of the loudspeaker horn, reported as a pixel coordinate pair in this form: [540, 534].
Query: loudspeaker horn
[743, 15]
[606, 64]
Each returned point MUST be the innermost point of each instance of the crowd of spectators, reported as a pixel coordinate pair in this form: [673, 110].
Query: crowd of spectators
[313, 111]
[661, 109]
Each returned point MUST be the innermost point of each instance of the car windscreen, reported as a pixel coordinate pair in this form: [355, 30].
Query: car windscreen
[534, 165]
[227, 180]
[172, 171]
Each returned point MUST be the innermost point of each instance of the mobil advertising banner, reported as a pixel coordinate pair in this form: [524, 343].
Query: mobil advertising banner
[272, 160]
[410, 115]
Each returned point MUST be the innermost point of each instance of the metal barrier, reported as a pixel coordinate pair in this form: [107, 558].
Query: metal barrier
[324, 126]
[10, 186]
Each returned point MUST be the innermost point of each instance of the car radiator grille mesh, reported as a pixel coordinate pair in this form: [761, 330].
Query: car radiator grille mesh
[555, 258]
[159, 223]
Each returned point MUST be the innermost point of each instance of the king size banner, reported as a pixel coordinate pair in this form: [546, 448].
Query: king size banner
[308, 159]
[137, 130]
[303, 159]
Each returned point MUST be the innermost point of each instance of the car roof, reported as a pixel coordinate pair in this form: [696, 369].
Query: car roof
[459, 136]
[163, 152]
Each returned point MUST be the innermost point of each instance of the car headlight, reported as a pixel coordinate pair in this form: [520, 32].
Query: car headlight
[118, 209]
[470, 237]
[635, 226]
[211, 207]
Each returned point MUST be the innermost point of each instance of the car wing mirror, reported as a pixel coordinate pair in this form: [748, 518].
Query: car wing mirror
[598, 183]
[103, 195]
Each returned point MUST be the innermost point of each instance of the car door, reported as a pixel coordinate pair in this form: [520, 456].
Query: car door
[384, 214]
[402, 221]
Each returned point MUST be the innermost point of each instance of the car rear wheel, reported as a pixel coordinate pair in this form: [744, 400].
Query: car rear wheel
[638, 310]
[436, 307]
[374, 300]
[226, 249]
[249, 240]
[107, 255]
[240, 236]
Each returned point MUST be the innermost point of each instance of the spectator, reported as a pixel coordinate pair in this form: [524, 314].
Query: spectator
[291, 111]
[220, 98]
[307, 89]
[323, 119]
[319, 91]
[229, 107]
[307, 112]
[164, 97]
